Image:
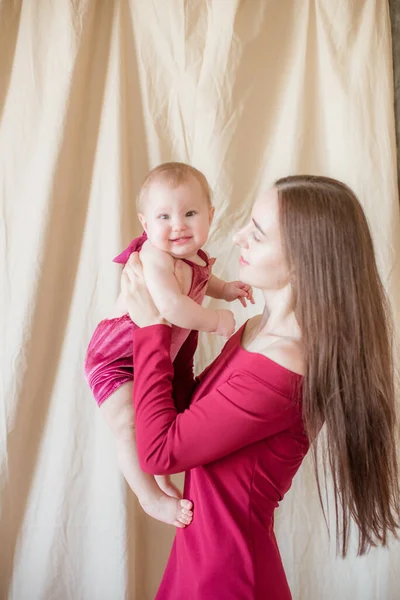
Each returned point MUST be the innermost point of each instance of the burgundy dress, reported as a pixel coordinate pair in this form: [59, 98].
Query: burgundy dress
[240, 441]
[109, 362]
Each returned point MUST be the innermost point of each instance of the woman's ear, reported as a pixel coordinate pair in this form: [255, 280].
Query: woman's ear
[142, 221]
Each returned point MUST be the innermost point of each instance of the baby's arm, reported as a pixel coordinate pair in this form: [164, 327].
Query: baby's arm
[215, 287]
[177, 308]
[229, 290]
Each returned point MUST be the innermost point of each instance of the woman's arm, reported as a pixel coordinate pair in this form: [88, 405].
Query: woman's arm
[184, 383]
[241, 411]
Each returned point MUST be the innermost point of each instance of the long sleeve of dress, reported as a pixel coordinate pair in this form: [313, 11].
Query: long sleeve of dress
[183, 383]
[242, 410]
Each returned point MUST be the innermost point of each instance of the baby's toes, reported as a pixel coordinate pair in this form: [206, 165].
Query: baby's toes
[188, 514]
[185, 514]
[185, 519]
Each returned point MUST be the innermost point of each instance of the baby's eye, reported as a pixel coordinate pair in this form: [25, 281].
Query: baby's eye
[255, 238]
[163, 216]
[191, 213]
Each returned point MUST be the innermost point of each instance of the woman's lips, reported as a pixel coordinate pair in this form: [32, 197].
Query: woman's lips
[242, 261]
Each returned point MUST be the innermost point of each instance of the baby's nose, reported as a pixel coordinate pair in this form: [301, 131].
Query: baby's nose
[179, 225]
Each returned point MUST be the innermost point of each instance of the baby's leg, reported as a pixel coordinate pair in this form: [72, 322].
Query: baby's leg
[165, 484]
[118, 411]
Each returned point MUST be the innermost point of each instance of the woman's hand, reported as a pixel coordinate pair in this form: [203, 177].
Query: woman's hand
[136, 298]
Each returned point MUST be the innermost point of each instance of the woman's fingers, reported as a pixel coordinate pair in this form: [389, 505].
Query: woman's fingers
[134, 264]
[126, 281]
[138, 302]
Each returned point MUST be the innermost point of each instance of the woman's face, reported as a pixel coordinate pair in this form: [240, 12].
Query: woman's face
[262, 261]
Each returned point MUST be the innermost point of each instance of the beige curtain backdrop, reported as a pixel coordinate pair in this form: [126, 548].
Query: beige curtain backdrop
[92, 95]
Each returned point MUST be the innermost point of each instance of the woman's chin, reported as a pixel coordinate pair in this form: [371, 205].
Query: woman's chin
[244, 278]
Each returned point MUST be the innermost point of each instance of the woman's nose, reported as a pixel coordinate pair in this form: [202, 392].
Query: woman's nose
[239, 238]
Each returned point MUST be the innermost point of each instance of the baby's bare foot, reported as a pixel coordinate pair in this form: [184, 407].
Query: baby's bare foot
[169, 509]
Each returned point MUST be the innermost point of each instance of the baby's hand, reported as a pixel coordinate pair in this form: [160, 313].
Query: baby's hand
[226, 322]
[237, 290]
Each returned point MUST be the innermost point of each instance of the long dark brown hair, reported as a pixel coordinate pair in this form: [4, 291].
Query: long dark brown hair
[349, 383]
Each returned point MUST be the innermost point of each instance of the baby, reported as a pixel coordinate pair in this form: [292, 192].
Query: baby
[175, 210]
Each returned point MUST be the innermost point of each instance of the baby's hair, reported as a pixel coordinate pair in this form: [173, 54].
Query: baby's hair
[173, 174]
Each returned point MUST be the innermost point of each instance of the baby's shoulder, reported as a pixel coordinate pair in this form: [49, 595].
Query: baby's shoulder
[149, 254]
[202, 259]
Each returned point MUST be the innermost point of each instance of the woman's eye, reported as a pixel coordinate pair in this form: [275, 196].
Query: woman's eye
[163, 216]
[255, 238]
[191, 213]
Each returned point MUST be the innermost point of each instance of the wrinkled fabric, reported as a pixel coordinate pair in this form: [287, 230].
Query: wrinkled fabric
[92, 96]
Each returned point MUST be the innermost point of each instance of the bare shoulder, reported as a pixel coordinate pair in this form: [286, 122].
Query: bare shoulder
[150, 255]
[288, 353]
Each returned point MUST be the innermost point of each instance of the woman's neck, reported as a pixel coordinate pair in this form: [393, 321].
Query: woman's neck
[278, 318]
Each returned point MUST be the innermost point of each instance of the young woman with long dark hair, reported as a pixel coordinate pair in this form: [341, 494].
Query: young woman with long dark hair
[319, 356]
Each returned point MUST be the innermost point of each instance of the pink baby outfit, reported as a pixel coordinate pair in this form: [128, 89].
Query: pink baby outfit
[109, 357]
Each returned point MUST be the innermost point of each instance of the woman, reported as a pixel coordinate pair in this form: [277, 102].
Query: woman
[320, 353]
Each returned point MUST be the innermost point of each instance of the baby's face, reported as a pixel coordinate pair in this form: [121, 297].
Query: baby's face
[177, 220]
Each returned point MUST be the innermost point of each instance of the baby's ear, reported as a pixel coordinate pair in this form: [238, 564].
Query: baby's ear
[142, 221]
[211, 213]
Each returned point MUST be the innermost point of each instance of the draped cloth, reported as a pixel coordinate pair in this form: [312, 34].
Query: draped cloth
[93, 95]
